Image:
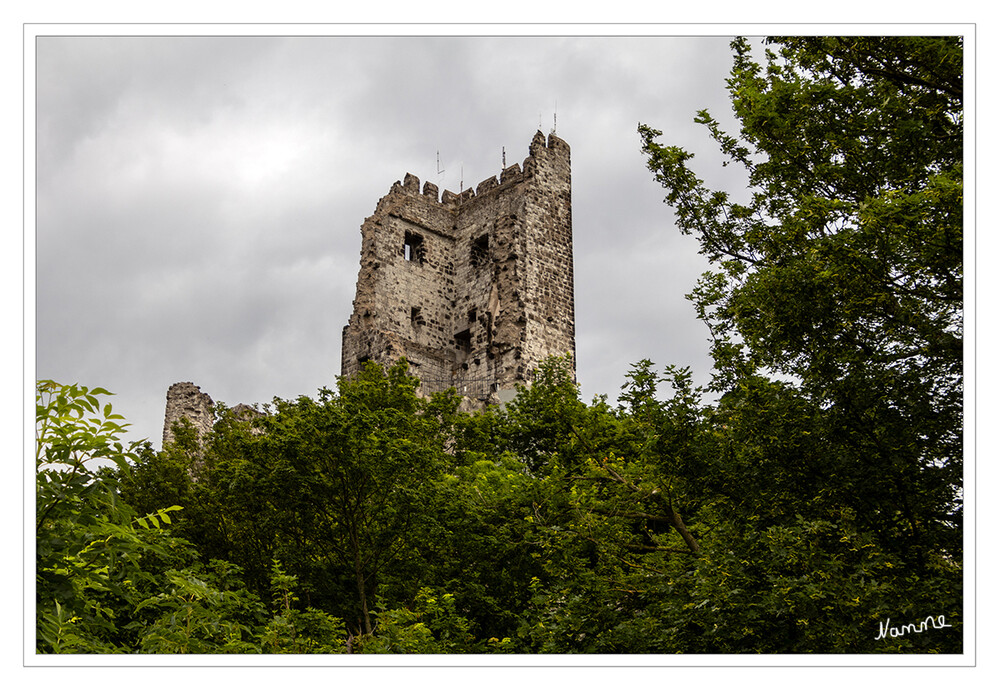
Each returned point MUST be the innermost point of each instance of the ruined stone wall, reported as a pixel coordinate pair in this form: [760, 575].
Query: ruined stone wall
[185, 400]
[405, 286]
[474, 289]
[549, 286]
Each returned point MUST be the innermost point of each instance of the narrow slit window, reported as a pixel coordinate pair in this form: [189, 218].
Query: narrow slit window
[416, 316]
[480, 251]
[412, 248]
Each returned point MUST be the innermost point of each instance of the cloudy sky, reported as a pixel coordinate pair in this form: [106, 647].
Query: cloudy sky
[199, 199]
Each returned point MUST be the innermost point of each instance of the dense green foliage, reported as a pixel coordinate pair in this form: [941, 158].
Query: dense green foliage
[843, 271]
[111, 580]
[809, 496]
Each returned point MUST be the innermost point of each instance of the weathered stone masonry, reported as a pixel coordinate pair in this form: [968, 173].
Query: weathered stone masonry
[473, 289]
[186, 401]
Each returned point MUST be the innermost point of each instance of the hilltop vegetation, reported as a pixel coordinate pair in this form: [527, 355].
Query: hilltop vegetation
[816, 497]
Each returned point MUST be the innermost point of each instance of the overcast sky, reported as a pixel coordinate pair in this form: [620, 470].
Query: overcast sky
[199, 200]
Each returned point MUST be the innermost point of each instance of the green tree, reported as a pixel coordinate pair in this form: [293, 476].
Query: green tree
[842, 270]
[294, 630]
[541, 422]
[113, 580]
[100, 564]
[90, 546]
[836, 315]
[362, 458]
[610, 523]
[336, 488]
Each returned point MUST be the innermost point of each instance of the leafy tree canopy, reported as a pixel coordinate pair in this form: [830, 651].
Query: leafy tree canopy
[841, 272]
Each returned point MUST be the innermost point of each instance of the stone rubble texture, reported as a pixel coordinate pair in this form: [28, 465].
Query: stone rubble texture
[185, 400]
[474, 289]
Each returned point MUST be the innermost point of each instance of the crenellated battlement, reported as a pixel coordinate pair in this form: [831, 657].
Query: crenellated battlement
[540, 148]
[469, 286]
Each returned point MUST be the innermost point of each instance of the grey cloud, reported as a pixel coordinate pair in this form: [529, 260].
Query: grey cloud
[199, 199]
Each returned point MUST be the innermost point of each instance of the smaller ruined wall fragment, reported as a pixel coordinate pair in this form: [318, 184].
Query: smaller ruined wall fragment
[185, 400]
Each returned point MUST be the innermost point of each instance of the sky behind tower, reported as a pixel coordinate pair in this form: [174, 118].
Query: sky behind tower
[199, 198]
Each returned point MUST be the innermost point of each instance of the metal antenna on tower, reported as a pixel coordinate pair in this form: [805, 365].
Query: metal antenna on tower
[440, 170]
[555, 117]
[504, 157]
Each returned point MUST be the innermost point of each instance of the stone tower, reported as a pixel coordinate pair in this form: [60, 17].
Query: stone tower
[473, 289]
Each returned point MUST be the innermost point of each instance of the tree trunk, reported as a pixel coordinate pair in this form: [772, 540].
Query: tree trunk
[677, 523]
[361, 589]
[359, 573]
[672, 517]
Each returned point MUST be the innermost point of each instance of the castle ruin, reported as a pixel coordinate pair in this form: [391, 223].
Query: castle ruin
[474, 289]
[186, 401]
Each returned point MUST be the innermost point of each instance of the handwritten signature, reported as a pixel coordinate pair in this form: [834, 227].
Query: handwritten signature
[887, 630]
